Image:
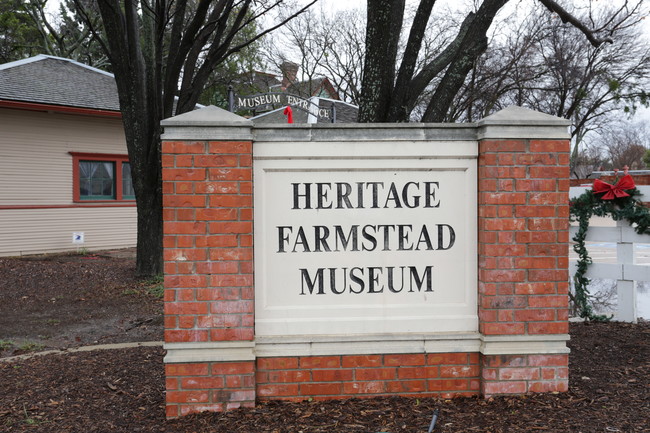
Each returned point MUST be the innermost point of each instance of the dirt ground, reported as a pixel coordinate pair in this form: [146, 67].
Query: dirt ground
[99, 300]
[62, 301]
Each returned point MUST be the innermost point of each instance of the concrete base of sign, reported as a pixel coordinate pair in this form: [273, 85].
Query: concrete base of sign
[265, 347]
[338, 261]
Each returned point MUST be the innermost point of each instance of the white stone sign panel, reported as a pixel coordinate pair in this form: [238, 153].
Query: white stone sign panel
[365, 238]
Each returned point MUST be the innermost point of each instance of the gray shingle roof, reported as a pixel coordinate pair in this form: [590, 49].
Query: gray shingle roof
[57, 81]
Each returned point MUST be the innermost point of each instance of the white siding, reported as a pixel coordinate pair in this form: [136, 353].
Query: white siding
[36, 171]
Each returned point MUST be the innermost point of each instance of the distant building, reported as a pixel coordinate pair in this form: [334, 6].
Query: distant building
[263, 97]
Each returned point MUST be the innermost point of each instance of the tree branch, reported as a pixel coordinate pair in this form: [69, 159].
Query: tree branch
[439, 63]
[398, 110]
[91, 27]
[567, 17]
[267, 31]
[474, 43]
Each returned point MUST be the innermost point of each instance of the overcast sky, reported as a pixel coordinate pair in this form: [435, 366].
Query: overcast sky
[336, 5]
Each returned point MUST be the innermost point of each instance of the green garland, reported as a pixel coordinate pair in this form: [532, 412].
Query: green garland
[581, 210]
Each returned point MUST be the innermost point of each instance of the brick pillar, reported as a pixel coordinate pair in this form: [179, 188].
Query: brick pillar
[523, 235]
[208, 240]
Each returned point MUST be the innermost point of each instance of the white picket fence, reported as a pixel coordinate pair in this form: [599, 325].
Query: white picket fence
[626, 270]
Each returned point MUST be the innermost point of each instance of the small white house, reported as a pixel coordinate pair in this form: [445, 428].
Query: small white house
[65, 179]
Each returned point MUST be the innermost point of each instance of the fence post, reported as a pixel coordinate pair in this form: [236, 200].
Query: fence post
[625, 289]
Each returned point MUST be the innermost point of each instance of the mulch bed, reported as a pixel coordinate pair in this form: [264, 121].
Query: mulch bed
[65, 300]
[123, 391]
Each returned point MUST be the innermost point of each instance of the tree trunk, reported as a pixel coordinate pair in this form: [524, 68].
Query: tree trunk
[139, 104]
[382, 98]
[382, 37]
[150, 229]
[473, 44]
[143, 143]
[399, 110]
[138, 37]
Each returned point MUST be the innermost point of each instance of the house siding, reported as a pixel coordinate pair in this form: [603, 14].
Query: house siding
[37, 210]
[35, 163]
[33, 231]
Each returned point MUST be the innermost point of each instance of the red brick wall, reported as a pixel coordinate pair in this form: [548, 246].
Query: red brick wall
[523, 257]
[209, 386]
[209, 296]
[346, 376]
[208, 240]
[520, 374]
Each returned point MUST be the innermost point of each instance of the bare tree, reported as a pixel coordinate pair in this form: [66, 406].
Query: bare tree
[624, 143]
[390, 92]
[588, 160]
[323, 45]
[299, 51]
[334, 45]
[551, 68]
[162, 53]
[541, 64]
[585, 83]
[343, 63]
[506, 74]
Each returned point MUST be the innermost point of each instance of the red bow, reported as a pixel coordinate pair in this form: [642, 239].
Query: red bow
[289, 113]
[614, 191]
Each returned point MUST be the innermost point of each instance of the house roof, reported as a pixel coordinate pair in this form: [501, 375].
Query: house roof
[57, 81]
[313, 87]
[256, 82]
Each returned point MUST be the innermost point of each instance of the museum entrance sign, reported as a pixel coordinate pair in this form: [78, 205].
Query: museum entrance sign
[355, 260]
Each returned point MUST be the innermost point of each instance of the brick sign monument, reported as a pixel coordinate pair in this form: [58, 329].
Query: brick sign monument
[357, 260]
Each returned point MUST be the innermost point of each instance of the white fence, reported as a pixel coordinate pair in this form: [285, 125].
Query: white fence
[626, 270]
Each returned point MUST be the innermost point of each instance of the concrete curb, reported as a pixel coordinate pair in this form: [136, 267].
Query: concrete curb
[83, 349]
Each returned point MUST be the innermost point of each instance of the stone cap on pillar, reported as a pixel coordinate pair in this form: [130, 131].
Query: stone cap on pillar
[521, 123]
[208, 123]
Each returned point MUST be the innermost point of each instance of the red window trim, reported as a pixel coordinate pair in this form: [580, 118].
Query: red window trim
[116, 158]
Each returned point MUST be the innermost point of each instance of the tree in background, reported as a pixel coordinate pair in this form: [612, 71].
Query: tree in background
[310, 39]
[584, 64]
[623, 144]
[343, 62]
[27, 29]
[322, 45]
[67, 34]
[589, 160]
[537, 63]
[19, 35]
[233, 69]
[585, 83]
[391, 83]
[506, 73]
[163, 53]
[580, 63]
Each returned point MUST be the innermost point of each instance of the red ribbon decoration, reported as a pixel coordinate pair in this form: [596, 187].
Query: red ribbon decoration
[289, 113]
[614, 191]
